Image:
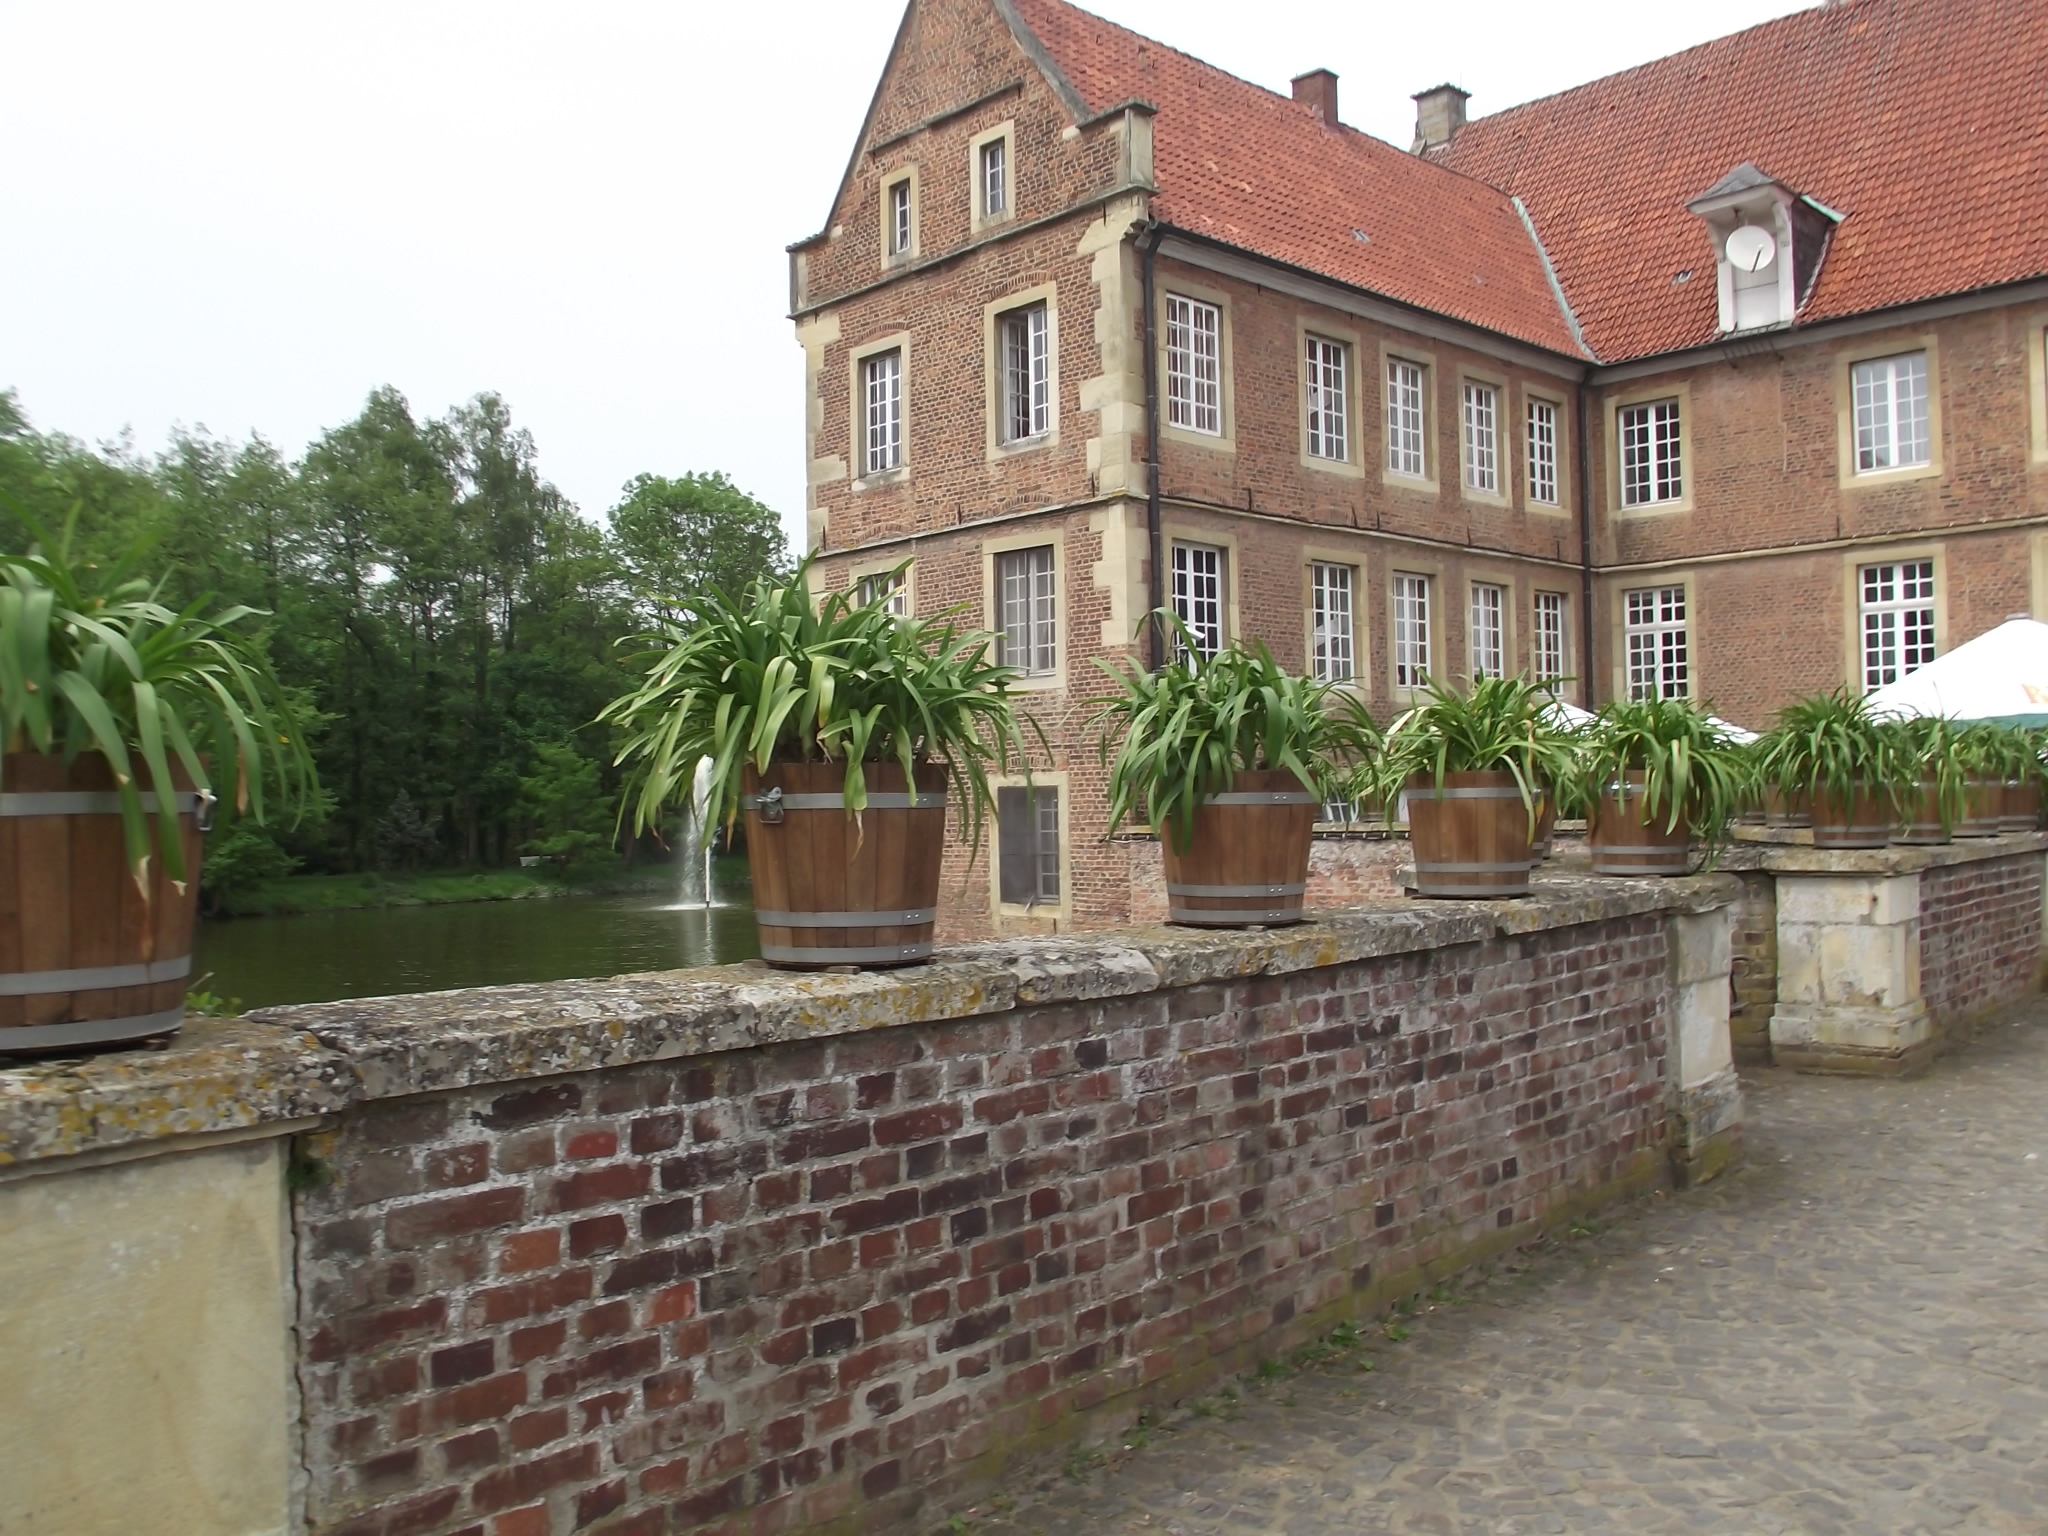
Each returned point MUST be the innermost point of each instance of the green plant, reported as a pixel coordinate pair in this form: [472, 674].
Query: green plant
[1184, 732]
[92, 661]
[1830, 746]
[1989, 750]
[1504, 724]
[783, 675]
[1929, 749]
[1692, 768]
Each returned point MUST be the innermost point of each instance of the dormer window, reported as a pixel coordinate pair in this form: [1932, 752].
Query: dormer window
[1768, 243]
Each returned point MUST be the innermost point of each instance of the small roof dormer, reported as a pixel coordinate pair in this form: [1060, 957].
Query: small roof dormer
[1768, 244]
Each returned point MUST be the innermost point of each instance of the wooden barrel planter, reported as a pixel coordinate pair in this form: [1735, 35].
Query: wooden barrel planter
[1862, 819]
[1983, 809]
[1627, 842]
[1470, 836]
[1783, 810]
[85, 959]
[1246, 863]
[2022, 807]
[829, 891]
[1922, 825]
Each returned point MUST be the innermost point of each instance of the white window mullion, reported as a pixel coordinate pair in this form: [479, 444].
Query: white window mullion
[1659, 659]
[1331, 622]
[1898, 620]
[1482, 450]
[1405, 447]
[1328, 403]
[1198, 595]
[1194, 365]
[1543, 452]
[1411, 631]
[884, 392]
[1549, 637]
[1488, 640]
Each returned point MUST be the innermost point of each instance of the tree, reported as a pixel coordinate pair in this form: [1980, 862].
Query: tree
[677, 539]
[571, 815]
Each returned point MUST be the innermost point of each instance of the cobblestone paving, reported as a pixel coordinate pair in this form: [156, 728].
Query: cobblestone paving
[1848, 1334]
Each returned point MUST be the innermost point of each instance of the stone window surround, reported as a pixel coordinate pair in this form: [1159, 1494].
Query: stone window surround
[2036, 334]
[1361, 610]
[1011, 919]
[861, 570]
[892, 257]
[1507, 461]
[1510, 615]
[1429, 484]
[1566, 468]
[857, 414]
[1172, 532]
[1688, 460]
[977, 220]
[1433, 571]
[1038, 537]
[992, 313]
[1617, 620]
[1846, 473]
[1226, 367]
[1853, 562]
[1352, 465]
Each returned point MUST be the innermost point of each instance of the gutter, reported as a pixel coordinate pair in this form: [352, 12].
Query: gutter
[1148, 251]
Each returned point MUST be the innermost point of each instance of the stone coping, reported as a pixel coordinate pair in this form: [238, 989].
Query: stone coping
[287, 1064]
[1758, 852]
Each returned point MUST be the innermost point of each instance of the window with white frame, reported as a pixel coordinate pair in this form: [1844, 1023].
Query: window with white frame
[1405, 455]
[1198, 594]
[1482, 437]
[1027, 374]
[1547, 640]
[889, 588]
[995, 178]
[1194, 365]
[1028, 845]
[882, 389]
[1653, 628]
[1328, 400]
[1543, 452]
[1024, 596]
[1898, 620]
[899, 218]
[1651, 470]
[1891, 412]
[1331, 637]
[1411, 631]
[1489, 630]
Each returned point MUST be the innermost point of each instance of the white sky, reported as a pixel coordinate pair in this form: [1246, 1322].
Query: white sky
[247, 215]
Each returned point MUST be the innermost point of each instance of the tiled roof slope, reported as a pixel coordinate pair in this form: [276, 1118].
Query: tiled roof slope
[1924, 121]
[1259, 171]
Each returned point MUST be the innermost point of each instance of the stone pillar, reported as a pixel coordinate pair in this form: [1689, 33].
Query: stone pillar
[1849, 996]
[1706, 1104]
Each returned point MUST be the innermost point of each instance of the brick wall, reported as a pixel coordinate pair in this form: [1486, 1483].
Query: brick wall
[1344, 869]
[774, 1287]
[1980, 935]
[1753, 979]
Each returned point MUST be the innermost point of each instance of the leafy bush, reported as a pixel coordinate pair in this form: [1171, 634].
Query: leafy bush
[1185, 731]
[91, 661]
[1505, 724]
[783, 675]
[1692, 769]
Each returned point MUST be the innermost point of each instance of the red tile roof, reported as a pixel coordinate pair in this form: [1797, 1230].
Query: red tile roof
[1925, 122]
[1259, 171]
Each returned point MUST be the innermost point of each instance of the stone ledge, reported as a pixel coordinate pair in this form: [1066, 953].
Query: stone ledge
[282, 1064]
[1785, 858]
[217, 1075]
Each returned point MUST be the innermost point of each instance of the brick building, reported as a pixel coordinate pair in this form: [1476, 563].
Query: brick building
[1722, 376]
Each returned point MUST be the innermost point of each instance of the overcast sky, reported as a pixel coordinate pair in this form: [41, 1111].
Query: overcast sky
[245, 216]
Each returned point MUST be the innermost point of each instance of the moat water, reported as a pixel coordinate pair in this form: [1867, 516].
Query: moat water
[378, 951]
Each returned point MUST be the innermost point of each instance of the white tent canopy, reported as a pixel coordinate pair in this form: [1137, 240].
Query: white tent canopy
[2000, 675]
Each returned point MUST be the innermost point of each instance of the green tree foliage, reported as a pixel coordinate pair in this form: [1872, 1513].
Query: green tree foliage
[679, 539]
[441, 610]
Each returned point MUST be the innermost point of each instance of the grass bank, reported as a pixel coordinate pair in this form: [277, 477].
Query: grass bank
[333, 893]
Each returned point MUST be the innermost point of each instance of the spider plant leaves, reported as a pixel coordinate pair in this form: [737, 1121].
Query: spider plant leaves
[91, 661]
[778, 673]
[1503, 724]
[1693, 771]
[1181, 734]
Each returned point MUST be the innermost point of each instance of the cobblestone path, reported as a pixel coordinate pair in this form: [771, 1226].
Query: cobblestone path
[1848, 1334]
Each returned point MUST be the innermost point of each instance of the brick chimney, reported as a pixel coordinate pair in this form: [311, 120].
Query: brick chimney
[1439, 114]
[1317, 90]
